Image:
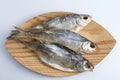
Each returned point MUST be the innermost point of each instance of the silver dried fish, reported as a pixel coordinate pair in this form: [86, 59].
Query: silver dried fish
[67, 38]
[59, 56]
[73, 22]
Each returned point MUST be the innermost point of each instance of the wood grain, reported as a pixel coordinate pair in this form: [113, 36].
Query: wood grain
[95, 32]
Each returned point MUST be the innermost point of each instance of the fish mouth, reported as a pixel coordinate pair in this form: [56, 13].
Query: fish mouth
[91, 70]
[89, 47]
[90, 17]
[87, 19]
[93, 45]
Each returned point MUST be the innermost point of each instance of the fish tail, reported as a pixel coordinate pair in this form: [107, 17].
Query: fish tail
[16, 33]
[19, 30]
[32, 45]
[17, 39]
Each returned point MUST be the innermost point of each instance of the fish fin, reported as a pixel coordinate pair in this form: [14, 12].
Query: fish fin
[16, 33]
[64, 47]
[67, 66]
[41, 41]
[51, 28]
[78, 50]
[19, 29]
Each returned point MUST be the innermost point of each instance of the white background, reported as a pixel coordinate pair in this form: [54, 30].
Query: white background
[16, 12]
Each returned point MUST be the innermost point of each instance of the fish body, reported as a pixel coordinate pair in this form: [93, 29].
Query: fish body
[73, 22]
[67, 38]
[59, 56]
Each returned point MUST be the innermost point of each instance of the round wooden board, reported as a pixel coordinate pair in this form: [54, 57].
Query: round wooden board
[94, 32]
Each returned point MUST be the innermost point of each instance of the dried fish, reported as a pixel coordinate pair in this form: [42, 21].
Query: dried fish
[73, 22]
[59, 56]
[67, 38]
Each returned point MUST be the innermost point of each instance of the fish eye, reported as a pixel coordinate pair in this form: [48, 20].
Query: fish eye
[85, 17]
[92, 45]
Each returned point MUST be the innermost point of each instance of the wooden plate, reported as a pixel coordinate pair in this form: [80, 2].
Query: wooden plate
[28, 59]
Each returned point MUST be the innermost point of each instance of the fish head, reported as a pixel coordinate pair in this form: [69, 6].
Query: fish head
[84, 20]
[84, 65]
[88, 47]
[87, 66]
